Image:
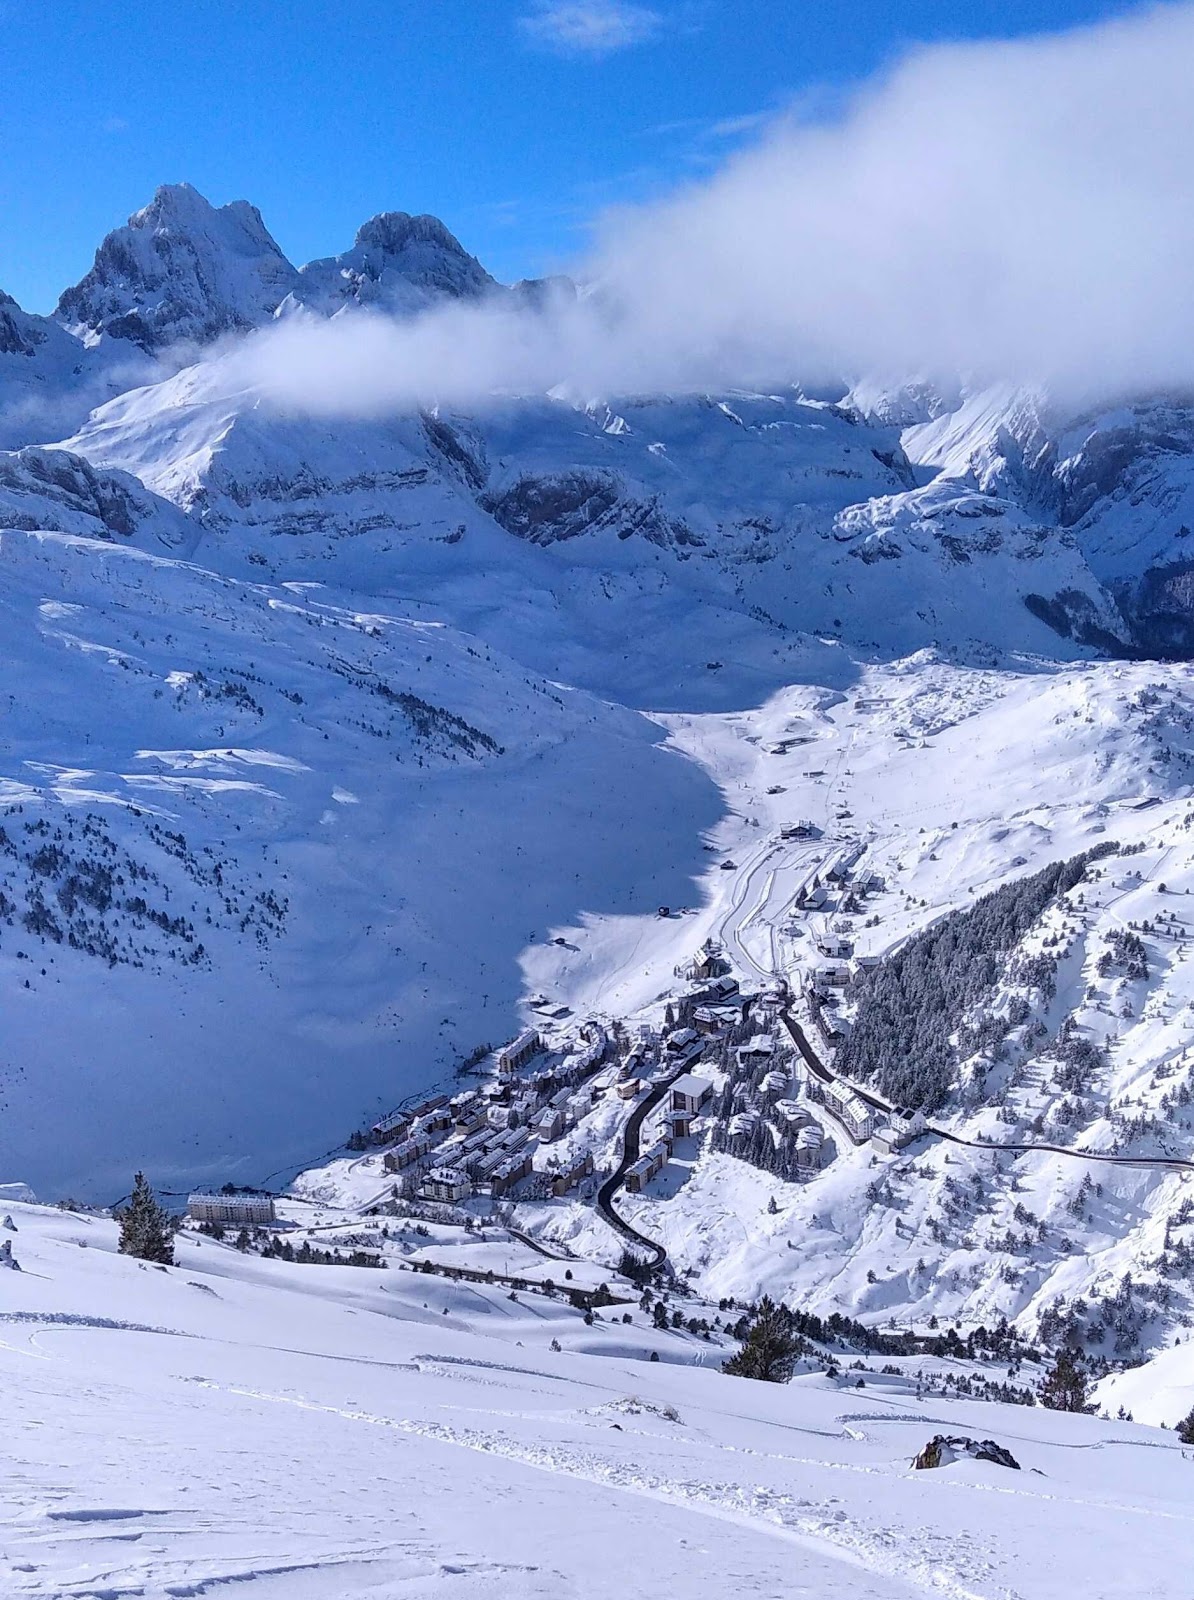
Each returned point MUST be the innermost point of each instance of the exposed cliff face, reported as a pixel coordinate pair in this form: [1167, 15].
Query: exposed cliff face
[20, 334]
[398, 264]
[55, 490]
[1119, 480]
[180, 271]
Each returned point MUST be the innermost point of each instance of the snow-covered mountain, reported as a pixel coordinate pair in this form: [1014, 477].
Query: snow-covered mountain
[330, 742]
[181, 271]
[691, 530]
[398, 264]
[1119, 479]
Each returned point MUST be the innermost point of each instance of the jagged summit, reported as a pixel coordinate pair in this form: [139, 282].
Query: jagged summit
[184, 272]
[19, 333]
[398, 263]
[180, 270]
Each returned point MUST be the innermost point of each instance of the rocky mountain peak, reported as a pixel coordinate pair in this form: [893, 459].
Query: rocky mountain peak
[19, 334]
[398, 263]
[180, 270]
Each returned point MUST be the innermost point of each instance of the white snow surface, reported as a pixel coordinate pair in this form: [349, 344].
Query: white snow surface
[295, 1433]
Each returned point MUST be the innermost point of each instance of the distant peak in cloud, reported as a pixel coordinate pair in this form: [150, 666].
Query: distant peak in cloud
[1000, 212]
[590, 27]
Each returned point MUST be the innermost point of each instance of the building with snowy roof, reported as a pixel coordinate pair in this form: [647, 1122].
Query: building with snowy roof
[550, 1124]
[810, 1143]
[446, 1184]
[511, 1171]
[689, 1093]
[231, 1210]
[792, 1114]
[514, 1056]
[857, 1116]
[775, 1084]
[407, 1153]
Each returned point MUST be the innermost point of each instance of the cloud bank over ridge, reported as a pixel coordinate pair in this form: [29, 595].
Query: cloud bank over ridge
[1016, 210]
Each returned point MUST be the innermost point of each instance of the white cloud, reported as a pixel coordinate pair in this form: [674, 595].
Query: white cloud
[1019, 210]
[590, 27]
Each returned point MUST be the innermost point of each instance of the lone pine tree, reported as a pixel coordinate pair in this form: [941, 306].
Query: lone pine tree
[146, 1228]
[1063, 1387]
[770, 1346]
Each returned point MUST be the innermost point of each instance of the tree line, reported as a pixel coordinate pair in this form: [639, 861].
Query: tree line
[911, 1006]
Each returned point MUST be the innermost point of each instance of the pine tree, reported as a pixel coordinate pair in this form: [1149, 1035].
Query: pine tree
[770, 1346]
[1185, 1429]
[146, 1228]
[1063, 1388]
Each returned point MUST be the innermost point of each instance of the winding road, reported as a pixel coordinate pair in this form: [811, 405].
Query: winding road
[630, 1154]
[818, 1068]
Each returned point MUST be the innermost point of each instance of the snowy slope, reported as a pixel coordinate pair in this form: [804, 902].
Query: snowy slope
[306, 842]
[301, 1434]
[683, 538]
[1117, 476]
[50, 380]
[57, 492]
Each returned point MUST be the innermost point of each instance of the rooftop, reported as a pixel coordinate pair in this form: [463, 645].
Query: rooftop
[690, 1084]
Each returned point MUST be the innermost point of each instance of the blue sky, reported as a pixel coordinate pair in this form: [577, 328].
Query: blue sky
[514, 120]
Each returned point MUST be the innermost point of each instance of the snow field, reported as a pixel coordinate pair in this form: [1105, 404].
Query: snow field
[205, 1429]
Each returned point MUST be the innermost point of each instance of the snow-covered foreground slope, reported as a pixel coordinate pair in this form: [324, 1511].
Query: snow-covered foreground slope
[300, 1435]
[269, 859]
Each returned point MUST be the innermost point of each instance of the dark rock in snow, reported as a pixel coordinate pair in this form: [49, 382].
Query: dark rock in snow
[944, 1449]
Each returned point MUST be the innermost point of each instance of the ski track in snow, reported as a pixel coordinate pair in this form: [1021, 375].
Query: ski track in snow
[164, 1444]
[882, 1552]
